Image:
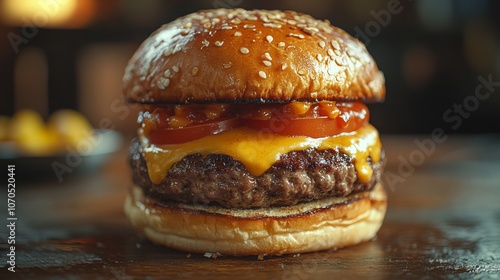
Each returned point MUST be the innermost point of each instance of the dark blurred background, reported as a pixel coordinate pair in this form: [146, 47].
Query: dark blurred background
[441, 59]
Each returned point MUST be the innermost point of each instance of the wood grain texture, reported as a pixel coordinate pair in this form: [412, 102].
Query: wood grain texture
[443, 221]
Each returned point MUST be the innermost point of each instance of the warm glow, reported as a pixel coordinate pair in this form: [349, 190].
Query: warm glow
[47, 13]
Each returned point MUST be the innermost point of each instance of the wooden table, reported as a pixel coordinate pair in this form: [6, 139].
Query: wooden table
[443, 221]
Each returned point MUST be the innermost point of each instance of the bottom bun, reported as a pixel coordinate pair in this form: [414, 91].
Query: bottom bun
[313, 226]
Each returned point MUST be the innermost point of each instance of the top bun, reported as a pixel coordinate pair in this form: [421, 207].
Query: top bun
[227, 56]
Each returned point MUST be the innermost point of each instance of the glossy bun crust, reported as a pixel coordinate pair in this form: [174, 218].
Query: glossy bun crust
[318, 225]
[218, 56]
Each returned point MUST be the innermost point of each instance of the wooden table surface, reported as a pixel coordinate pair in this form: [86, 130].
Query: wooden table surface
[443, 221]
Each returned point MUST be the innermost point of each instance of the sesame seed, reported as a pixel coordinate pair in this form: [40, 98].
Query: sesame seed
[267, 56]
[227, 65]
[330, 71]
[272, 25]
[273, 15]
[310, 30]
[300, 36]
[339, 61]
[269, 38]
[163, 83]
[281, 44]
[175, 68]
[262, 74]
[188, 25]
[177, 48]
[235, 21]
[321, 36]
[292, 22]
[237, 34]
[331, 53]
[320, 57]
[302, 72]
[322, 44]
[219, 43]
[205, 43]
[226, 27]
[143, 70]
[337, 52]
[194, 71]
[284, 66]
[167, 73]
[335, 44]
[248, 26]
[167, 52]
[267, 63]
[244, 50]
[207, 25]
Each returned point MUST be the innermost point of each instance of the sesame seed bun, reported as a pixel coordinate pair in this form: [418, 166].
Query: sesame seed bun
[317, 225]
[220, 56]
[238, 56]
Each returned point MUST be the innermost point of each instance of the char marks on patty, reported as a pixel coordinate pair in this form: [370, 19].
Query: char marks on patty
[218, 179]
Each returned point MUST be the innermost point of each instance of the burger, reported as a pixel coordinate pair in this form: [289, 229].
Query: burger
[254, 137]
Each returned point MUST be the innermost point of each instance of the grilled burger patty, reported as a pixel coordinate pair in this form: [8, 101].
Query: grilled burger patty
[217, 179]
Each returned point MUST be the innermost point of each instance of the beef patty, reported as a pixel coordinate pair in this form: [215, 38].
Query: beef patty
[218, 179]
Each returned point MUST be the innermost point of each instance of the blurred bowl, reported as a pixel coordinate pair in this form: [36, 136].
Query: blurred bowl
[85, 159]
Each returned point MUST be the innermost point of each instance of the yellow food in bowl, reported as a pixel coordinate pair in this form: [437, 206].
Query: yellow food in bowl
[31, 135]
[72, 126]
[24, 124]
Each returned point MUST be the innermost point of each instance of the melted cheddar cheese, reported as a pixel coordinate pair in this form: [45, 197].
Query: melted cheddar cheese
[258, 151]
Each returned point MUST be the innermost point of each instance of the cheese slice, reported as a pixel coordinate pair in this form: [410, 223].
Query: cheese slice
[258, 151]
